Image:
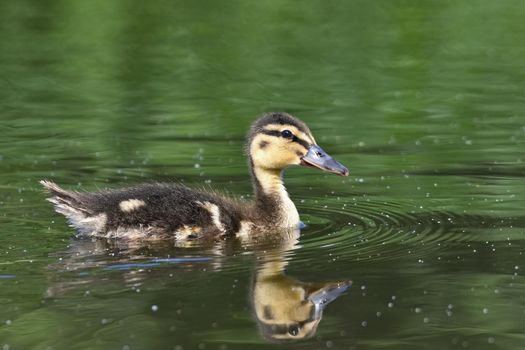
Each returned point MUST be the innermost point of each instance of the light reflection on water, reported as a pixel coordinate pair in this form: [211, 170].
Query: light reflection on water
[110, 286]
[284, 308]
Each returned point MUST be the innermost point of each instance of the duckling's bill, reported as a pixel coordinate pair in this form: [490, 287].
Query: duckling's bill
[316, 157]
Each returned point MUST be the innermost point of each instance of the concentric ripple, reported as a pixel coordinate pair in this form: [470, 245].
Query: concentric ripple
[365, 229]
[373, 230]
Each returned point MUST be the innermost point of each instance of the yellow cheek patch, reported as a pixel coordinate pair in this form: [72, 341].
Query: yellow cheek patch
[272, 152]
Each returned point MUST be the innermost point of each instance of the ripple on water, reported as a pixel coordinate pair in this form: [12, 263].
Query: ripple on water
[374, 231]
[365, 230]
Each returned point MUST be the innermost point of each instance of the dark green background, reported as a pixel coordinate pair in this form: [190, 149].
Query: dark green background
[423, 100]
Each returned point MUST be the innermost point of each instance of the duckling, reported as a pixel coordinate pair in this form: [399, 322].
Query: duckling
[285, 308]
[162, 210]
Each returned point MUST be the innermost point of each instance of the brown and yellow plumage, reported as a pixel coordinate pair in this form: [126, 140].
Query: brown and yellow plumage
[155, 211]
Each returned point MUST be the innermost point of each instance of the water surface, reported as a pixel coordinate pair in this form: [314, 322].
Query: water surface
[422, 100]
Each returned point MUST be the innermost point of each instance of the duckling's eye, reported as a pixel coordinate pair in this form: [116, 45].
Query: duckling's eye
[287, 134]
[293, 330]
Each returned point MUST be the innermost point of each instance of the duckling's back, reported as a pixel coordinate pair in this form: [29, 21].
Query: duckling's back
[147, 211]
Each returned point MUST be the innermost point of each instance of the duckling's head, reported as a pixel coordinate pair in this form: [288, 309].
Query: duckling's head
[278, 140]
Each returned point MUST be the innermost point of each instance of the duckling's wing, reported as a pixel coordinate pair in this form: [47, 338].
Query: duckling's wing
[145, 210]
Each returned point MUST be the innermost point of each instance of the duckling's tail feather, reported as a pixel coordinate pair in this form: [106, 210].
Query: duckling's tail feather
[73, 206]
[62, 197]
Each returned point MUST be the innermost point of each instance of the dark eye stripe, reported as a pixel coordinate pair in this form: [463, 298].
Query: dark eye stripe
[277, 133]
[301, 142]
[271, 132]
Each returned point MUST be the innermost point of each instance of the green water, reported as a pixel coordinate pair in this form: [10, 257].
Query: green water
[422, 100]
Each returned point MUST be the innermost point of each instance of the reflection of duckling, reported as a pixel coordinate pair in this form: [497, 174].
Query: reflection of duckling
[288, 309]
[275, 141]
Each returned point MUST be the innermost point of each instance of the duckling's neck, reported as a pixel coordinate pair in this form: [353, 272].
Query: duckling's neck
[272, 203]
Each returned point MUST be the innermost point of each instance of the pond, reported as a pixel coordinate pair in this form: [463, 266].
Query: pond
[421, 247]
